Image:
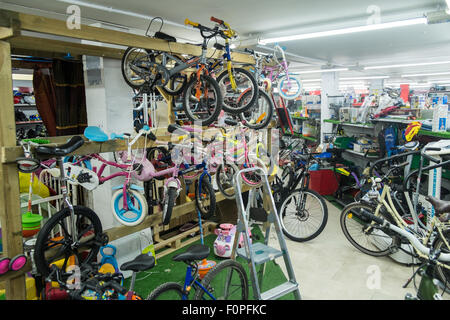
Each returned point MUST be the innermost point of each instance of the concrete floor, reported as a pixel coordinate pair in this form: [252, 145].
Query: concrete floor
[330, 268]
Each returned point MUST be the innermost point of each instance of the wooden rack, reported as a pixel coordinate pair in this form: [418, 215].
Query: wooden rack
[13, 40]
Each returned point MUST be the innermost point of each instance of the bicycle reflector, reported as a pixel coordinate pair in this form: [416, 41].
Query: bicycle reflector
[27, 165]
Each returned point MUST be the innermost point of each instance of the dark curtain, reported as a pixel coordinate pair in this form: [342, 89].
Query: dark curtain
[71, 117]
[44, 94]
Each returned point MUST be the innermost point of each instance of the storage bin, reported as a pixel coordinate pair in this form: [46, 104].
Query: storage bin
[325, 182]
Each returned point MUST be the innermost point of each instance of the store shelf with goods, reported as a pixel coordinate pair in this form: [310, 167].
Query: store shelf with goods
[28, 122]
[359, 125]
[25, 105]
[441, 134]
[314, 139]
[360, 154]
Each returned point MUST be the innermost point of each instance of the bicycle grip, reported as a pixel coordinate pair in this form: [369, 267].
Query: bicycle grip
[194, 24]
[213, 19]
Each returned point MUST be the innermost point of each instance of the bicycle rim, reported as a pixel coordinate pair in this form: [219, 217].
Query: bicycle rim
[260, 114]
[167, 291]
[289, 89]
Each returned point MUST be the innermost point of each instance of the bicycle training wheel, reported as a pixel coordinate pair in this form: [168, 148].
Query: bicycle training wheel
[259, 115]
[226, 281]
[361, 232]
[289, 89]
[233, 98]
[303, 215]
[202, 100]
[55, 241]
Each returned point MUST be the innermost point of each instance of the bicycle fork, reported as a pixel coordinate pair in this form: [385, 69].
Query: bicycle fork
[66, 200]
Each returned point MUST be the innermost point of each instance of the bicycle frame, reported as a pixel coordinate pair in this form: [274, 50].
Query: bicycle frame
[191, 281]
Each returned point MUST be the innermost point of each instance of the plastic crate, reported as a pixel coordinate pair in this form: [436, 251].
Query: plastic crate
[325, 182]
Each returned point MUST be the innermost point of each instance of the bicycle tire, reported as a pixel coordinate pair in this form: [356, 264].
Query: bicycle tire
[443, 274]
[45, 239]
[124, 64]
[180, 89]
[224, 177]
[217, 274]
[172, 289]
[255, 124]
[206, 212]
[169, 202]
[235, 106]
[136, 216]
[362, 224]
[287, 177]
[247, 177]
[303, 217]
[217, 103]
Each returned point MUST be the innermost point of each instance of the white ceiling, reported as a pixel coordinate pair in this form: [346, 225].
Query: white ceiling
[264, 18]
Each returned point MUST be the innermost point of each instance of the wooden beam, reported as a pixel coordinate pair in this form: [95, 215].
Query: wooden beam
[6, 33]
[58, 27]
[64, 47]
[9, 188]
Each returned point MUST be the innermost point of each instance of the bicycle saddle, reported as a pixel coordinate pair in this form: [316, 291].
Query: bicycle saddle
[440, 206]
[73, 144]
[219, 46]
[141, 263]
[165, 36]
[94, 133]
[194, 252]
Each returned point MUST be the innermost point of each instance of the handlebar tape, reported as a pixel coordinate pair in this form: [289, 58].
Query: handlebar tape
[213, 19]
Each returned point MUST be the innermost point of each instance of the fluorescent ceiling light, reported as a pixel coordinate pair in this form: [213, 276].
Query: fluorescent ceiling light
[321, 71]
[407, 65]
[448, 6]
[424, 74]
[365, 78]
[370, 27]
[311, 80]
[26, 77]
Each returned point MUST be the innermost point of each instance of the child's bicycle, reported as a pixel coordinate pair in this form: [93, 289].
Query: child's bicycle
[226, 281]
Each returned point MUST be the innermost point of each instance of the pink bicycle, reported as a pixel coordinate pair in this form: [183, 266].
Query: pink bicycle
[128, 203]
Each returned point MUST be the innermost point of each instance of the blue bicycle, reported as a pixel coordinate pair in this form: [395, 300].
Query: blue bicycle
[227, 280]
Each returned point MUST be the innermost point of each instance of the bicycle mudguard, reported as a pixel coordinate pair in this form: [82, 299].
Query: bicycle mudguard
[93, 133]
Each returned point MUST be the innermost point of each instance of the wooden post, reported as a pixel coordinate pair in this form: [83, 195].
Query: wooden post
[10, 216]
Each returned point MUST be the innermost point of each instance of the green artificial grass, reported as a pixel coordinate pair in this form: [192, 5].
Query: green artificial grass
[167, 270]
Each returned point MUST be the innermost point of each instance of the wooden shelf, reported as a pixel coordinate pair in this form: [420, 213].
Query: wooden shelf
[443, 134]
[28, 122]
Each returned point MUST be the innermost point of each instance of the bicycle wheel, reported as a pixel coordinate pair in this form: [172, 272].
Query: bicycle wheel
[233, 98]
[303, 215]
[135, 62]
[287, 177]
[442, 273]
[202, 101]
[168, 203]
[361, 233]
[224, 177]
[205, 199]
[253, 178]
[226, 281]
[137, 207]
[289, 89]
[55, 242]
[259, 115]
[167, 291]
[178, 81]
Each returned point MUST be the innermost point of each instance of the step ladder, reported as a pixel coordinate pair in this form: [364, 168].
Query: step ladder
[258, 254]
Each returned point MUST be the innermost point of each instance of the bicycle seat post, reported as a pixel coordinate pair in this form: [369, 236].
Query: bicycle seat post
[65, 193]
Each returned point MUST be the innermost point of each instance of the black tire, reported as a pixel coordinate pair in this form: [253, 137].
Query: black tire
[159, 154]
[167, 291]
[87, 222]
[443, 274]
[232, 105]
[265, 104]
[202, 104]
[215, 280]
[139, 81]
[287, 177]
[357, 227]
[225, 178]
[176, 91]
[308, 223]
[207, 211]
[168, 205]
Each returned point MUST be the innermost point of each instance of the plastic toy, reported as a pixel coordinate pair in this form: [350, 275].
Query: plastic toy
[108, 264]
[225, 239]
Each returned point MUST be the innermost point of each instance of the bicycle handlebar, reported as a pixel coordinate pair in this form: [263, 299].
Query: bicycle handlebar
[213, 19]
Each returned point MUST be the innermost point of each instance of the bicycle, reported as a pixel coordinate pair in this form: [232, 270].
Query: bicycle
[202, 97]
[94, 285]
[371, 240]
[226, 281]
[303, 212]
[235, 83]
[72, 232]
[428, 288]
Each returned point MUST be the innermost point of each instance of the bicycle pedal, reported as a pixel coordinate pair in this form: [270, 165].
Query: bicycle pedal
[258, 214]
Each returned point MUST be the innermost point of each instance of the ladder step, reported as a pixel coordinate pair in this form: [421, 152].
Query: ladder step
[279, 291]
[260, 252]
